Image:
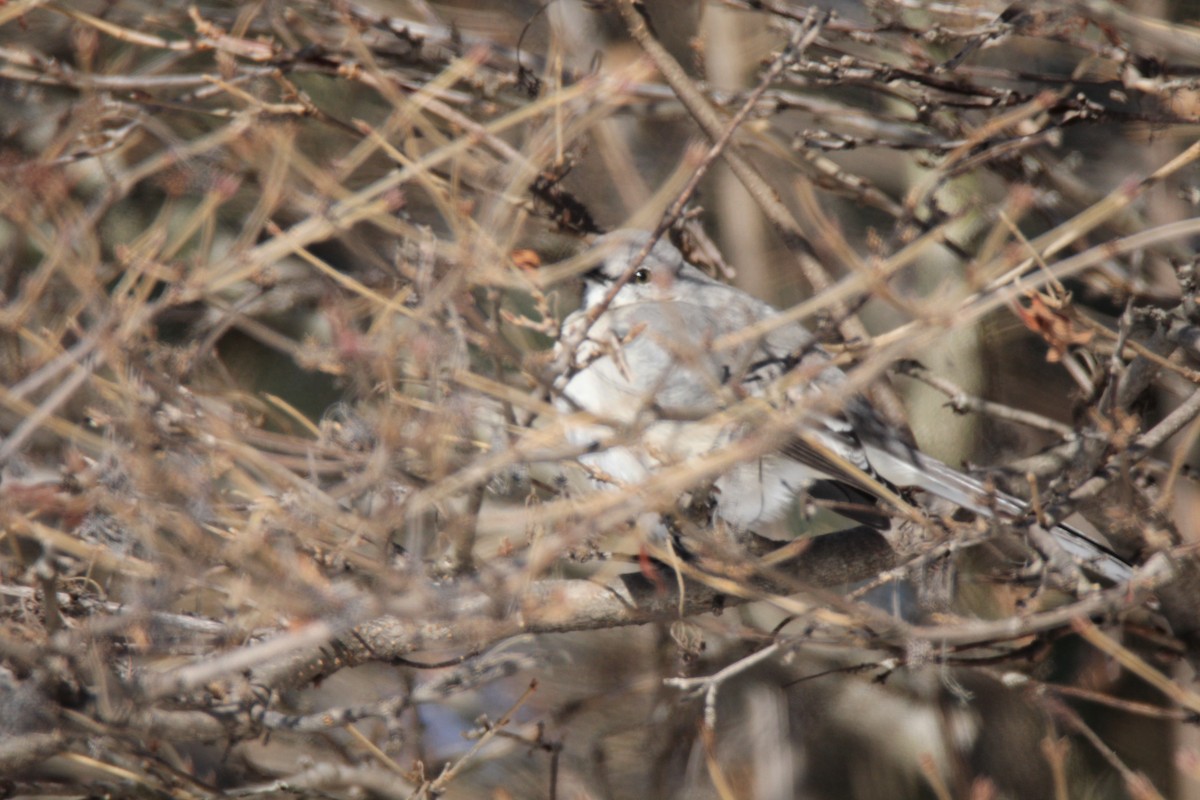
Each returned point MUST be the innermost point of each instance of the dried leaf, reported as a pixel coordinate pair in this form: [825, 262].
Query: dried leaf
[1055, 327]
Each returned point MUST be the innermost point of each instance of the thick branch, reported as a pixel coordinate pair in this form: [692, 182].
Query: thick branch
[477, 620]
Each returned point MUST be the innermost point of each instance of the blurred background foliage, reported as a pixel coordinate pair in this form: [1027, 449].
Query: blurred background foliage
[276, 296]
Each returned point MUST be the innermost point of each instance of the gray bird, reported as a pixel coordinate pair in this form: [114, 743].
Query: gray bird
[662, 388]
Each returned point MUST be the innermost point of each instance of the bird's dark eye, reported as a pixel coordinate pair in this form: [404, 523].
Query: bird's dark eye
[641, 276]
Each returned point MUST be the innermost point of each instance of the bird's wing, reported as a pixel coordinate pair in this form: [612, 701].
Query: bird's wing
[862, 438]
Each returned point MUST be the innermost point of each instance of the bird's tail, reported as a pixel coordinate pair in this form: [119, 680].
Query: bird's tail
[903, 465]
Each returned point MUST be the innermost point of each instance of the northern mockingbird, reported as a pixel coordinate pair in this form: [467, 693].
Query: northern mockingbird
[675, 366]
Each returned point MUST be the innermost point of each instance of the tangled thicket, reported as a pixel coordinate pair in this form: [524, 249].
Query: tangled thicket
[281, 501]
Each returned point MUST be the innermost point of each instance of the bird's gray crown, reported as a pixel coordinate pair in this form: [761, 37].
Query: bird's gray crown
[621, 247]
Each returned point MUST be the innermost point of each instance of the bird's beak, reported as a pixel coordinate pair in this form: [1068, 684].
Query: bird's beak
[594, 276]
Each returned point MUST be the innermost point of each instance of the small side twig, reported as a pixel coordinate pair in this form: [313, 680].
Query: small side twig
[962, 403]
[710, 684]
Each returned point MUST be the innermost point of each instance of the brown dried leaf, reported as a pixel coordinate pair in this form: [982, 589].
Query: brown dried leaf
[1055, 327]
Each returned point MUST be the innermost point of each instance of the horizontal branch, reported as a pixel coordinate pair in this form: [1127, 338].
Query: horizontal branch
[476, 620]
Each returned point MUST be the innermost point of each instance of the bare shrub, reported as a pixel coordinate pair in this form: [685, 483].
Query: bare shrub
[284, 505]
